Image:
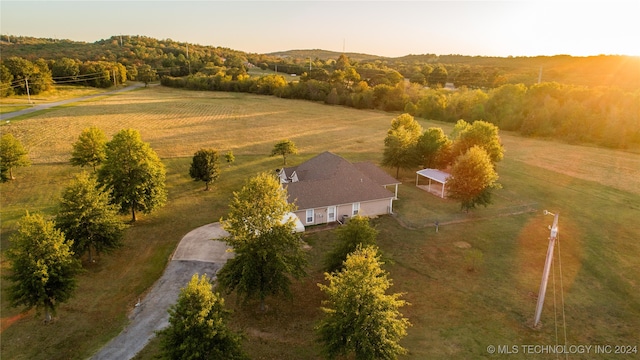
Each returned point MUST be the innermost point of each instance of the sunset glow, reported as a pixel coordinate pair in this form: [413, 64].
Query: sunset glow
[507, 28]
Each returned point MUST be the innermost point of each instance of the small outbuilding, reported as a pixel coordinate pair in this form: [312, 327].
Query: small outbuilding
[434, 175]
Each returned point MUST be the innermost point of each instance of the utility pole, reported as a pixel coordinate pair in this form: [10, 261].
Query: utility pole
[547, 267]
[26, 82]
[188, 62]
[540, 75]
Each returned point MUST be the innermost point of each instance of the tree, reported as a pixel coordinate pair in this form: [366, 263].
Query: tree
[12, 154]
[146, 74]
[197, 325]
[37, 75]
[342, 63]
[42, 266]
[480, 133]
[284, 148]
[6, 79]
[360, 318]
[86, 217]
[472, 179]
[399, 145]
[357, 232]
[269, 85]
[438, 76]
[204, 166]
[65, 69]
[505, 106]
[267, 251]
[433, 148]
[133, 174]
[229, 158]
[90, 148]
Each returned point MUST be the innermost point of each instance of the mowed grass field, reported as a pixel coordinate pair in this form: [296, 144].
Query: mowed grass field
[455, 313]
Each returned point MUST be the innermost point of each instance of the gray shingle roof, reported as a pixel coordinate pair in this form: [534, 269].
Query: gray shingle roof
[328, 179]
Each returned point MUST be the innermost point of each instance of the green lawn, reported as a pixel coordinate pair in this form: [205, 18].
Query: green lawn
[455, 313]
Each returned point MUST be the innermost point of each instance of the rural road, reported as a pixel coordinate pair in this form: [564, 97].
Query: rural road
[35, 108]
[196, 253]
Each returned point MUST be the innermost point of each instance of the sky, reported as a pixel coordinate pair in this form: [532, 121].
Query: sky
[385, 28]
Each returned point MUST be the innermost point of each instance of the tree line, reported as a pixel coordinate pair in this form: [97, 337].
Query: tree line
[604, 116]
[181, 58]
[45, 254]
[19, 76]
[497, 90]
[470, 155]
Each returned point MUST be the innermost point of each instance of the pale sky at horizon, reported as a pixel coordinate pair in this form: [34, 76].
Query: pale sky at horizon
[385, 28]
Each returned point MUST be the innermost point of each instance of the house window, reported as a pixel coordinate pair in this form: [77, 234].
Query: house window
[356, 209]
[331, 213]
[310, 216]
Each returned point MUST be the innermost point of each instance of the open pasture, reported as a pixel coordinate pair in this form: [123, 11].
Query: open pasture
[455, 313]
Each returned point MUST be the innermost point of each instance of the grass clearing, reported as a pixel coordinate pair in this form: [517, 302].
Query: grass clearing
[56, 93]
[455, 313]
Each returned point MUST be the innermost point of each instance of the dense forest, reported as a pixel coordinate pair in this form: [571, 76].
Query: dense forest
[578, 99]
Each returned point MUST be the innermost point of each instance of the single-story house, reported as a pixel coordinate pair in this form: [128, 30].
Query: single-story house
[328, 188]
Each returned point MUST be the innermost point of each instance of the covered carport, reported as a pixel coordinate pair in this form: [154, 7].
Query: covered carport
[434, 175]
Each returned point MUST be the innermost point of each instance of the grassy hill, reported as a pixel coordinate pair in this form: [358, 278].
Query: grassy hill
[603, 70]
[456, 313]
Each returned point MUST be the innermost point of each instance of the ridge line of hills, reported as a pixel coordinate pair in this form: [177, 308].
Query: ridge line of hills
[602, 70]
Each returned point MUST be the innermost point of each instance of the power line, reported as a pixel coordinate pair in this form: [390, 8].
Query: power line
[81, 80]
[77, 76]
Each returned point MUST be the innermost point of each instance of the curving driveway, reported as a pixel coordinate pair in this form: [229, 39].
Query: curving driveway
[196, 253]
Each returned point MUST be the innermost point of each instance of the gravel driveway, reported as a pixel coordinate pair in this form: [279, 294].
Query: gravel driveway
[196, 253]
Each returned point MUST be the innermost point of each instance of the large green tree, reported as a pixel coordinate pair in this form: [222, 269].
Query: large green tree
[146, 74]
[433, 148]
[205, 167]
[133, 174]
[267, 250]
[30, 77]
[357, 232]
[399, 145]
[6, 80]
[360, 319]
[438, 76]
[479, 133]
[86, 217]
[12, 154]
[284, 148]
[473, 177]
[65, 70]
[198, 325]
[90, 149]
[42, 268]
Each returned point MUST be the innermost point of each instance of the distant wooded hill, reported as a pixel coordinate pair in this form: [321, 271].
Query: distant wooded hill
[487, 72]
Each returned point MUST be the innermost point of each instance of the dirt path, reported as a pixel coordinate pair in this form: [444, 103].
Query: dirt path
[196, 253]
[35, 108]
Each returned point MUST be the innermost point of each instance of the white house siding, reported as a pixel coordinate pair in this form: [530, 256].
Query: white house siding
[367, 208]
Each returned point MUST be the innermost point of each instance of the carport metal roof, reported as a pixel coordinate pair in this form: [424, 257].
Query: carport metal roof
[435, 175]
